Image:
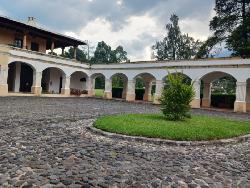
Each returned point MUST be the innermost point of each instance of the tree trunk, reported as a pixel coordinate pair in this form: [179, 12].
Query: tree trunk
[244, 22]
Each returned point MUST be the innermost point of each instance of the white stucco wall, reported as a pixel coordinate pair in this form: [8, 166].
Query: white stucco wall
[75, 82]
[54, 83]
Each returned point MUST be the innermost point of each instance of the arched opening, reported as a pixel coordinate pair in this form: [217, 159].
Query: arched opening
[52, 80]
[78, 81]
[119, 86]
[20, 77]
[98, 81]
[218, 90]
[144, 85]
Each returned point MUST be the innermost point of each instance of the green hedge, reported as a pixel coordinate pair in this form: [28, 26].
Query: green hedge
[139, 94]
[222, 101]
[117, 92]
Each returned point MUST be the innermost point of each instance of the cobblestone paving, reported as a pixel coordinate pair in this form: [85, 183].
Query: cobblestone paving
[44, 143]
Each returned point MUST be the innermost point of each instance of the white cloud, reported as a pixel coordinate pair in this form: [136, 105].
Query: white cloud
[134, 24]
[138, 35]
[139, 29]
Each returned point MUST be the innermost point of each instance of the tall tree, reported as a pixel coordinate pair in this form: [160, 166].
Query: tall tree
[104, 54]
[119, 55]
[176, 45]
[231, 24]
[80, 54]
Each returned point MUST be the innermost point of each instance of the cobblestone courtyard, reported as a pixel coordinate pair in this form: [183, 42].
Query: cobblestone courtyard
[44, 143]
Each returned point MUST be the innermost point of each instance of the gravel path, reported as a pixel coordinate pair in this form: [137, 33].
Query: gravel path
[44, 143]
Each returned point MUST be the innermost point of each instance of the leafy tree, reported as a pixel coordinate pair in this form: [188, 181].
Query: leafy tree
[139, 83]
[231, 24]
[225, 85]
[119, 55]
[104, 54]
[176, 45]
[100, 82]
[206, 48]
[176, 98]
[80, 54]
[117, 82]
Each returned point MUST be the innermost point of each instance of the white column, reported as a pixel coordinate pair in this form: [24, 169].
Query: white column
[108, 89]
[197, 88]
[52, 47]
[3, 80]
[17, 77]
[158, 91]
[25, 41]
[75, 47]
[130, 96]
[206, 101]
[37, 78]
[90, 84]
[66, 86]
[241, 92]
[148, 89]
[124, 91]
[63, 50]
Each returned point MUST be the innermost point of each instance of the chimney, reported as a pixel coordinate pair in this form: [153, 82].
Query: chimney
[31, 21]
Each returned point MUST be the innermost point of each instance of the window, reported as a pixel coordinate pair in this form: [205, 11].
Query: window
[34, 46]
[18, 43]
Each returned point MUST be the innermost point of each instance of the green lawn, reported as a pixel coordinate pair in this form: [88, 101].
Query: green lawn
[99, 92]
[198, 128]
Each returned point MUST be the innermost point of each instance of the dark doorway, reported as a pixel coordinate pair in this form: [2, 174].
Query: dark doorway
[60, 87]
[11, 76]
[26, 79]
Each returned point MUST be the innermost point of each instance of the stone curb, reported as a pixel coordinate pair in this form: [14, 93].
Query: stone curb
[158, 141]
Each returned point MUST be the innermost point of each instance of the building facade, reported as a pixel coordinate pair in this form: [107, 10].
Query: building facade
[26, 67]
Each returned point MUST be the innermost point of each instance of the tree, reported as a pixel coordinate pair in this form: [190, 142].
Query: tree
[225, 85]
[176, 45]
[176, 98]
[119, 55]
[231, 24]
[80, 54]
[205, 49]
[104, 54]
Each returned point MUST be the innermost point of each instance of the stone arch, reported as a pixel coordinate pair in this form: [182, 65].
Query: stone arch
[20, 77]
[143, 86]
[97, 81]
[78, 83]
[218, 89]
[119, 85]
[52, 80]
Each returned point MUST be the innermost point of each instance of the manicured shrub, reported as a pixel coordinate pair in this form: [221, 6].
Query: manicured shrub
[77, 92]
[176, 98]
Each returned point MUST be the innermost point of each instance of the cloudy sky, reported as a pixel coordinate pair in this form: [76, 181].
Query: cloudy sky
[134, 24]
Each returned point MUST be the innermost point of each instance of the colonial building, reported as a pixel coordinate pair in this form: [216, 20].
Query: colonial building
[28, 64]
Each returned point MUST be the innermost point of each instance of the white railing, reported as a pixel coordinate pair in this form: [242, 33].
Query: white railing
[43, 57]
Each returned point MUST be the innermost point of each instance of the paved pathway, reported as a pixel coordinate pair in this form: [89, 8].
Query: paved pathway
[44, 143]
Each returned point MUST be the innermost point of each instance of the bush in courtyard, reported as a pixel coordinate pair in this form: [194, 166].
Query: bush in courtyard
[176, 98]
[78, 92]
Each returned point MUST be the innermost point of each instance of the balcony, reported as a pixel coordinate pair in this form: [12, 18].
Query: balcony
[19, 54]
